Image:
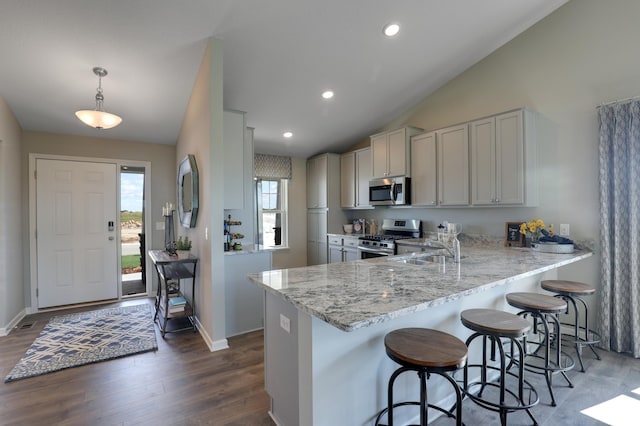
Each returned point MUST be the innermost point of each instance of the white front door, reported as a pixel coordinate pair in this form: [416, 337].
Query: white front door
[76, 248]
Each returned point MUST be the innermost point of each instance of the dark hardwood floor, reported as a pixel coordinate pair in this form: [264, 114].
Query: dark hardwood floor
[182, 383]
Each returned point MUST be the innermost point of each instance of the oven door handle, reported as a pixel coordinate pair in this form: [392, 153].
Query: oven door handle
[374, 251]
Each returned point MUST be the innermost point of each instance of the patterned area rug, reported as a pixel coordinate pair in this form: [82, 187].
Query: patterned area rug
[77, 339]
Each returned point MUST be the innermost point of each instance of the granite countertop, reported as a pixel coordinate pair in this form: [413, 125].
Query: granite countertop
[249, 249]
[357, 294]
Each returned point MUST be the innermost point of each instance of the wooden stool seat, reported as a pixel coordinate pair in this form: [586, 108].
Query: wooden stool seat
[426, 352]
[540, 302]
[569, 288]
[494, 322]
[424, 347]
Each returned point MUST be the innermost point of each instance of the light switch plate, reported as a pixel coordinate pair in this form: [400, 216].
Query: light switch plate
[159, 226]
[285, 323]
[564, 229]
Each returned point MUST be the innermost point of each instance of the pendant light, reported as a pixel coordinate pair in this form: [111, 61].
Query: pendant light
[98, 118]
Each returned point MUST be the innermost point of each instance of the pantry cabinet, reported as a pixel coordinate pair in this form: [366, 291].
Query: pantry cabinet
[316, 237]
[391, 152]
[323, 201]
[355, 173]
[503, 160]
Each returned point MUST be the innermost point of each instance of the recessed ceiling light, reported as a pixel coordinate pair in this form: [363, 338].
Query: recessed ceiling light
[391, 29]
[327, 94]
[287, 134]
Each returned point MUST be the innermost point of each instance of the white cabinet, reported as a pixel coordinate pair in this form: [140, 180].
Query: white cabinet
[316, 237]
[424, 177]
[348, 180]
[238, 159]
[453, 165]
[502, 161]
[391, 152]
[317, 181]
[335, 249]
[355, 173]
[342, 249]
[349, 249]
[323, 200]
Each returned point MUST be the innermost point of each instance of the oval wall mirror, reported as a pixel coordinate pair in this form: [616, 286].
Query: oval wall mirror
[188, 192]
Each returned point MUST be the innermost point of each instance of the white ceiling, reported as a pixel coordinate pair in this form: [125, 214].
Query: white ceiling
[279, 55]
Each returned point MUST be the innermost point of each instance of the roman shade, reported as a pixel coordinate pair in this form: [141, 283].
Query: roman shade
[271, 167]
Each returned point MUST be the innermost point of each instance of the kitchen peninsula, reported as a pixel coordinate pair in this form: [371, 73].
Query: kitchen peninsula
[325, 362]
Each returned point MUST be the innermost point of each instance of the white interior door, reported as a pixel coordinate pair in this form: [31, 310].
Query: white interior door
[76, 248]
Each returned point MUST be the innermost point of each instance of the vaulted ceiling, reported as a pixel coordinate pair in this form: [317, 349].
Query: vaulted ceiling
[279, 56]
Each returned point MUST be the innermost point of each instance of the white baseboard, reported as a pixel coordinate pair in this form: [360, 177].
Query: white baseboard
[213, 346]
[4, 331]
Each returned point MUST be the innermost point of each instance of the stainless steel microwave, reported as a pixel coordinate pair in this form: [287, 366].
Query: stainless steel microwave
[391, 191]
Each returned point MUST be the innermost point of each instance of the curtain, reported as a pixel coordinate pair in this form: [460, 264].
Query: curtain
[271, 167]
[619, 157]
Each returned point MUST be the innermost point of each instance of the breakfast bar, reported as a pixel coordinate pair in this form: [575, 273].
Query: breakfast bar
[325, 362]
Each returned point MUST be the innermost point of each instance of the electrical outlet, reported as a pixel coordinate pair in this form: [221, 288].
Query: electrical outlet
[564, 229]
[285, 323]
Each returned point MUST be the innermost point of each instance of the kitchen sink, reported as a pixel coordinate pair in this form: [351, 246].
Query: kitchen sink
[425, 259]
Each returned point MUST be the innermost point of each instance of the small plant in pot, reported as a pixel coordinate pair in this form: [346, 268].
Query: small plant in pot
[183, 246]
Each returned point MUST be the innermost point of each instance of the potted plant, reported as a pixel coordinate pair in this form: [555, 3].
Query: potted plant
[183, 246]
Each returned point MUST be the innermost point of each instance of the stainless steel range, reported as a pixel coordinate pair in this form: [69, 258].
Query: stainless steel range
[384, 244]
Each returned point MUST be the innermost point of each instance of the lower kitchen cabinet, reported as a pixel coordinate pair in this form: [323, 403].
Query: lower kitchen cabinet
[316, 236]
[342, 248]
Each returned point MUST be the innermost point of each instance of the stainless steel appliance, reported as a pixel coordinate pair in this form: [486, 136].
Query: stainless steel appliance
[391, 191]
[379, 245]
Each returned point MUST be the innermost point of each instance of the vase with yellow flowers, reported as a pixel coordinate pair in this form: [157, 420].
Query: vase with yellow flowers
[532, 230]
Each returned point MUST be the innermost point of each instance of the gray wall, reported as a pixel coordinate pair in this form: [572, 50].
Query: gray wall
[11, 242]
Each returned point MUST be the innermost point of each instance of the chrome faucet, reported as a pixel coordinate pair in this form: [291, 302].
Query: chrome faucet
[454, 250]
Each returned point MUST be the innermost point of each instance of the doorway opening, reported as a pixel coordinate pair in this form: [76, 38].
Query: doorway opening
[132, 237]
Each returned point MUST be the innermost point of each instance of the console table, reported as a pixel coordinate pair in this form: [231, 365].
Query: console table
[171, 270]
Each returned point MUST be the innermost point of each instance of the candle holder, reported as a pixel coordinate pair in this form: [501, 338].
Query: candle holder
[169, 233]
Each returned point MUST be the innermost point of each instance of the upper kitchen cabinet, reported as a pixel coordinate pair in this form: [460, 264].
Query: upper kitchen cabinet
[503, 156]
[323, 181]
[453, 165]
[238, 155]
[355, 173]
[391, 152]
[424, 177]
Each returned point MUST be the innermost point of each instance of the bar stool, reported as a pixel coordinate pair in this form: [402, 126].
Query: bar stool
[494, 326]
[542, 308]
[571, 292]
[426, 352]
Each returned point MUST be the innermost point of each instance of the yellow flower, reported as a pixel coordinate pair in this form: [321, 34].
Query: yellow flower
[533, 226]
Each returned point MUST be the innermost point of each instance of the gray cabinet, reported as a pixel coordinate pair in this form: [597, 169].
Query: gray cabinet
[316, 237]
[503, 160]
[323, 201]
[391, 152]
[355, 173]
[424, 171]
[453, 165]
[342, 249]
